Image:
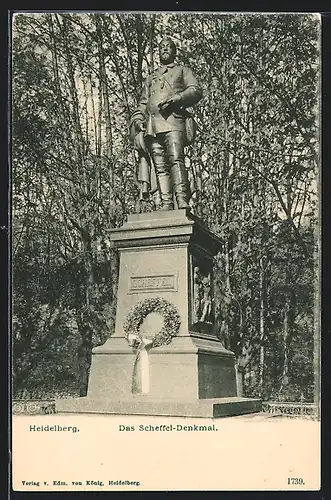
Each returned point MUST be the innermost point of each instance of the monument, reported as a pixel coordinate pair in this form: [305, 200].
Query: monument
[164, 357]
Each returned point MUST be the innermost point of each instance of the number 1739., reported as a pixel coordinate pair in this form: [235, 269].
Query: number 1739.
[295, 480]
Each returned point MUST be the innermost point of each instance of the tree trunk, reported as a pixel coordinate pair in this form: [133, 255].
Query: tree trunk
[262, 328]
[139, 30]
[284, 377]
[151, 43]
[86, 325]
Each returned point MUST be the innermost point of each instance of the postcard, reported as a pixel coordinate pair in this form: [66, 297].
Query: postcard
[165, 177]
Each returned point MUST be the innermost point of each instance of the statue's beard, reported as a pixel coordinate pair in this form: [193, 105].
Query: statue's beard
[166, 58]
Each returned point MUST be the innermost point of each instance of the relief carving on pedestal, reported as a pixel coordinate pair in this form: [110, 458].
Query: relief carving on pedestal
[202, 297]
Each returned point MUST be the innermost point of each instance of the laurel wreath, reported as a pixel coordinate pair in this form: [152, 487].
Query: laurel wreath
[136, 316]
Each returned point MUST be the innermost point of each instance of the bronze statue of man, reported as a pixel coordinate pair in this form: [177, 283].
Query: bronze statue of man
[160, 126]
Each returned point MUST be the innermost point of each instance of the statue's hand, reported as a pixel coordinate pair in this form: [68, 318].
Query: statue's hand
[170, 101]
[140, 126]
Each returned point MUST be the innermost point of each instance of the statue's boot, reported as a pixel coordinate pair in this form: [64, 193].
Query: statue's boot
[180, 183]
[165, 191]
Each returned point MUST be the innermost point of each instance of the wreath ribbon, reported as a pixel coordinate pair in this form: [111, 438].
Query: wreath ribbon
[140, 373]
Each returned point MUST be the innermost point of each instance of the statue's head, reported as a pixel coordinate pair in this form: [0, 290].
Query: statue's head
[167, 50]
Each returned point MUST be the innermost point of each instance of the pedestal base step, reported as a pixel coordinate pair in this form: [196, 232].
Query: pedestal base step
[212, 408]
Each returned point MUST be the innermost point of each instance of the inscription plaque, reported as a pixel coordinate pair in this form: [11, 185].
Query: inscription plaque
[162, 282]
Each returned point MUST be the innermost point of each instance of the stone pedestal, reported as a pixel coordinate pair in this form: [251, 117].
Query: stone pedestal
[168, 255]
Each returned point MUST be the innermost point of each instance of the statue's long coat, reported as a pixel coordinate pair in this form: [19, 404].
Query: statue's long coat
[163, 83]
